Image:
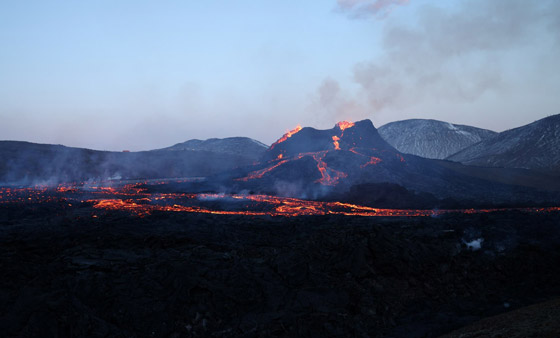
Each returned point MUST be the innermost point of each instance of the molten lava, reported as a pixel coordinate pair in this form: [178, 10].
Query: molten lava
[372, 161]
[344, 125]
[328, 176]
[335, 142]
[286, 136]
[260, 173]
[135, 199]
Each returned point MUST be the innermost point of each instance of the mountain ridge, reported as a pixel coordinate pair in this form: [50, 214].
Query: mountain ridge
[431, 138]
[532, 146]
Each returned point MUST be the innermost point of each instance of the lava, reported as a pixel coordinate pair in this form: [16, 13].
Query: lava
[335, 142]
[286, 136]
[326, 178]
[344, 125]
[372, 161]
[135, 199]
[261, 173]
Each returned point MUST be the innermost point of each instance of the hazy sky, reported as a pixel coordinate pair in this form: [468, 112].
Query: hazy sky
[138, 75]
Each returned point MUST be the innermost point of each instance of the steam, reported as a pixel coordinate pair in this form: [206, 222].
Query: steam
[456, 56]
[334, 104]
[368, 8]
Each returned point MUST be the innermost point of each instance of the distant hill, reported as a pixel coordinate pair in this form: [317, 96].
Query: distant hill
[242, 146]
[431, 138]
[533, 146]
[30, 163]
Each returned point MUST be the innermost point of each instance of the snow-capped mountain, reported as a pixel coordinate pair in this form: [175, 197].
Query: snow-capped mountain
[533, 146]
[431, 138]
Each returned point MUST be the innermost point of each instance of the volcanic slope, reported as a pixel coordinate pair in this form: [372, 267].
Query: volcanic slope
[533, 146]
[431, 138]
[312, 163]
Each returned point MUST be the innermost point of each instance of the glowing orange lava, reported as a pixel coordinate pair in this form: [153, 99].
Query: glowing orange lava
[260, 173]
[372, 161]
[328, 176]
[286, 136]
[136, 199]
[344, 125]
[335, 142]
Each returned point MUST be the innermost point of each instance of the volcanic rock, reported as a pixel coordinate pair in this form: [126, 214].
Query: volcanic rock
[431, 138]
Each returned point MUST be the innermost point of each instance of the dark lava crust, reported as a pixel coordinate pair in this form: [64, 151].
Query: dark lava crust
[66, 274]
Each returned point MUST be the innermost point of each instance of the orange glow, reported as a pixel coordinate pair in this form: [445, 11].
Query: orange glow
[335, 142]
[260, 173]
[286, 136]
[372, 161]
[344, 125]
[326, 177]
[280, 157]
[135, 199]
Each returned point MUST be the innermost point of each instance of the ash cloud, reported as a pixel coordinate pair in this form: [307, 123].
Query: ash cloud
[458, 54]
[330, 104]
[368, 8]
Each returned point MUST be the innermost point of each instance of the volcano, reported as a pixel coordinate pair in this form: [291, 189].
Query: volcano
[352, 156]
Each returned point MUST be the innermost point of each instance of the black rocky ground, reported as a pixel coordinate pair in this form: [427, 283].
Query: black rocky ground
[67, 274]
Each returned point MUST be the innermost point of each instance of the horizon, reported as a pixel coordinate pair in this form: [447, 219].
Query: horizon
[266, 144]
[140, 76]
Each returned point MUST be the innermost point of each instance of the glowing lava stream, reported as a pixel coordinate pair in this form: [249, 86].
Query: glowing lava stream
[291, 207]
[335, 142]
[286, 136]
[326, 178]
[137, 200]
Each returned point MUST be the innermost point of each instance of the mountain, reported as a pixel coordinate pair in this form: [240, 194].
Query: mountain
[533, 146]
[431, 138]
[351, 161]
[242, 146]
[30, 163]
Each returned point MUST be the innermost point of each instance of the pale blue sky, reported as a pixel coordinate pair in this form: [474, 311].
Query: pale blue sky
[146, 74]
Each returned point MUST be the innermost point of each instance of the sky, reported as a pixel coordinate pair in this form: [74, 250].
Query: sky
[139, 75]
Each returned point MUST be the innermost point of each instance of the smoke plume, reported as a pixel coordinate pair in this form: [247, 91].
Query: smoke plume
[368, 8]
[455, 55]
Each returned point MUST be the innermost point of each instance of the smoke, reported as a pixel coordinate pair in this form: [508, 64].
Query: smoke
[457, 55]
[368, 8]
[334, 104]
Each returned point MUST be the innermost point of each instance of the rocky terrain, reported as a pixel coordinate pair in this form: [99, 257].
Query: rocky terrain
[431, 138]
[534, 146]
[539, 320]
[67, 274]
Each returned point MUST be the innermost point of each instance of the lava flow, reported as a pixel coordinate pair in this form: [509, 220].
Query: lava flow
[286, 136]
[335, 142]
[137, 200]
